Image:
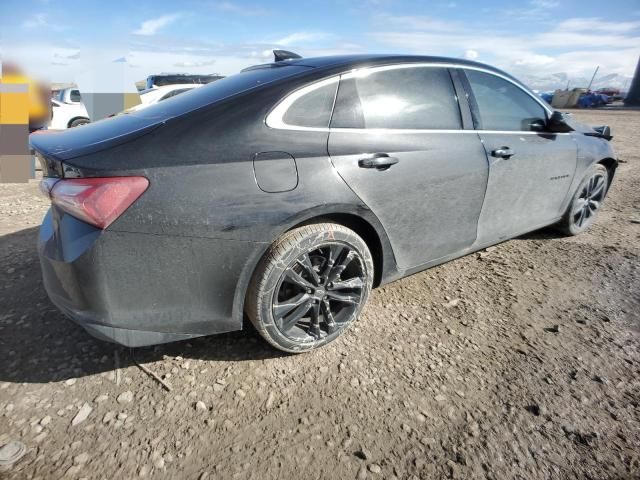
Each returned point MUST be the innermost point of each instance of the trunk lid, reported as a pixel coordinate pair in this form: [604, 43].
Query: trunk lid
[54, 147]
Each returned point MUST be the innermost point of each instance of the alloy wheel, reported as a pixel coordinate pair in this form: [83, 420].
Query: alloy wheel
[589, 201]
[320, 292]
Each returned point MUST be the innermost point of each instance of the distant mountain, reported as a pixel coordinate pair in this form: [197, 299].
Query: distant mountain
[559, 81]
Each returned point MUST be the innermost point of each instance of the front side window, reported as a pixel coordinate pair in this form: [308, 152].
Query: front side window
[502, 105]
[74, 96]
[413, 98]
[313, 109]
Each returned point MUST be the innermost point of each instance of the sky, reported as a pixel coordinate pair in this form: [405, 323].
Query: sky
[538, 40]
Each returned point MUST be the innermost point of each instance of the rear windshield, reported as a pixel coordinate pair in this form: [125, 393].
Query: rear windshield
[162, 80]
[218, 90]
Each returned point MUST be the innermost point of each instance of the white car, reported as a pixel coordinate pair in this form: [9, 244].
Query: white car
[69, 95]
[65, 115]
[152, 96]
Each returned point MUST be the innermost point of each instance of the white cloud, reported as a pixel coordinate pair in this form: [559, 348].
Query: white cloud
[415, 22]
[232, 7]
[37, 20]
[41, 21]
[536, 10]
[152, 26]
[570, 46]
[471, 54]
[595, 24]
[535, 60]
[300, 37]
[67, 53]
[545, 3]
[194, 63]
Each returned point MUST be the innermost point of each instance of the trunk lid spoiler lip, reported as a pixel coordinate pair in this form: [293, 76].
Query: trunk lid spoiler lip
[63, 146]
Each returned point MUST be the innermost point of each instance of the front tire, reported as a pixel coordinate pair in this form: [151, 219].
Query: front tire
[310, 286]
[586, 202]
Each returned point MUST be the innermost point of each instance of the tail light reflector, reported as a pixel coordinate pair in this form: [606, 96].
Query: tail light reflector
[97, 201]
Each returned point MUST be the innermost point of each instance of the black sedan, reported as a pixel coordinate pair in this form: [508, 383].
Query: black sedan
[285, 193]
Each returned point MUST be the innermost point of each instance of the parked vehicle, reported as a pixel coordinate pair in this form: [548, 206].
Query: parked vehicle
[613, 93]
[158, 94]
[69, 95]
[179, 79]
[290, 190]
[592, 100]
[65, 115]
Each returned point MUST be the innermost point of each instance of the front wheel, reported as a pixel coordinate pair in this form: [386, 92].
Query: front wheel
[586, 202]
[310, 286]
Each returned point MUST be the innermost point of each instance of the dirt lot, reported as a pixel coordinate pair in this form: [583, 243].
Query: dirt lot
[522, 361]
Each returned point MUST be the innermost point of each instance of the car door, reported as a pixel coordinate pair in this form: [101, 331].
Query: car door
[397, 139]
[530, 169]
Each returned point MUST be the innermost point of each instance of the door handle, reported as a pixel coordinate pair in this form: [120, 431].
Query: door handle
[380, 161]
[503, 152]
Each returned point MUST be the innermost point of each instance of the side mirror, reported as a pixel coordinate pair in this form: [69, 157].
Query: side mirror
[538, 125]
[558, 124]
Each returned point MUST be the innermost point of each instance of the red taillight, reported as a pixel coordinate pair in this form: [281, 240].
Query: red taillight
[98, 201]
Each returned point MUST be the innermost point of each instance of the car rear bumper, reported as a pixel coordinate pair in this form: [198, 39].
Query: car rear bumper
[139, 289]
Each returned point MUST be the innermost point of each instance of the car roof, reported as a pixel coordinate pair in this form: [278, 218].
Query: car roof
[341, 63]
[358, 60]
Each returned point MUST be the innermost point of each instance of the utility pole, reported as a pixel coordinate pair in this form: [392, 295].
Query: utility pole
[593, 78]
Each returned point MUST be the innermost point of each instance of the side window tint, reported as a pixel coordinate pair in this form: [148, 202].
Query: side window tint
[502, 105]
[313, 109]
[173, 93]
[74, 96]
[403, 98]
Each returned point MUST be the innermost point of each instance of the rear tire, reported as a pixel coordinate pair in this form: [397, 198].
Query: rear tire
[310, 286]
[586, 201]
[79, 121]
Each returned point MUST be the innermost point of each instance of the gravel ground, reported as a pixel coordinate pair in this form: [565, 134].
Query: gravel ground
[521, 361]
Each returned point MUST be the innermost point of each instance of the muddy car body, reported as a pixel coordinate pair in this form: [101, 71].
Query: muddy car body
[288, 191]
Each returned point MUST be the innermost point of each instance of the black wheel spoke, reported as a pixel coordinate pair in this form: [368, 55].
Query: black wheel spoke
[328, 317]
[341, 297]
[579, 206]
[296, 315]
[341, 265]
[282, 309]
[334, 252]
[351, 284]
[598, 189]
[315, 320]
[292, 276]
[305, 262]
[581, 219]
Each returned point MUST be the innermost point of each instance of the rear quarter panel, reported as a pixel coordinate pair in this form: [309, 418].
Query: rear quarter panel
[202, 182]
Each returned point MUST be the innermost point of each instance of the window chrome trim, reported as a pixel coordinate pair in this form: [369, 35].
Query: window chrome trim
[275, 118]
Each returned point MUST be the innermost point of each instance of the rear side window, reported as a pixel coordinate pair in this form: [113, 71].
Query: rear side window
[313, 109]
[413, 98]
[503, 105]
